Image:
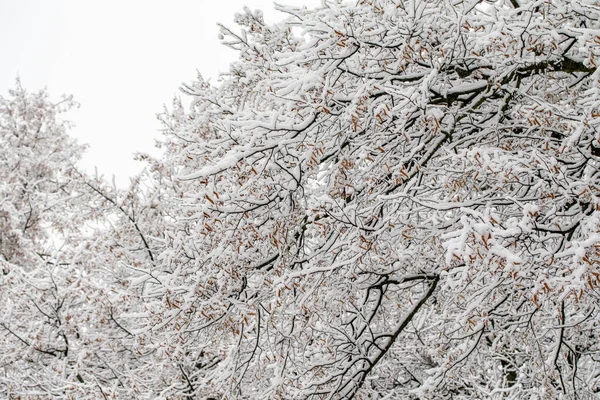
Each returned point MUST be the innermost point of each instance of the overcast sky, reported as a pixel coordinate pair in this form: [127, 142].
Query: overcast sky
[121, 59]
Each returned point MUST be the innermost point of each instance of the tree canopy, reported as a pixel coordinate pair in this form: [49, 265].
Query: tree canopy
[382, 199]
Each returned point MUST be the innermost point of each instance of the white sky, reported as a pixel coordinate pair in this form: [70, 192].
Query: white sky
[121, 59]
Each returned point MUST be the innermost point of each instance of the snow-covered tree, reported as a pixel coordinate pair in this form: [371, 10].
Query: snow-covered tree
[37, 160]
[36, 167]
[71, 245]
[58, 335]
[385, 199]
[382, 199]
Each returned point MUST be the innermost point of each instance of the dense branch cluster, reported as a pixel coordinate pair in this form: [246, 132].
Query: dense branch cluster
[382, 199]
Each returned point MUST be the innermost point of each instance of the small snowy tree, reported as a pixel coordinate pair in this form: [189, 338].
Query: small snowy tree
[36, 168]
[386, 199]
[58, 336]
[37, 160]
